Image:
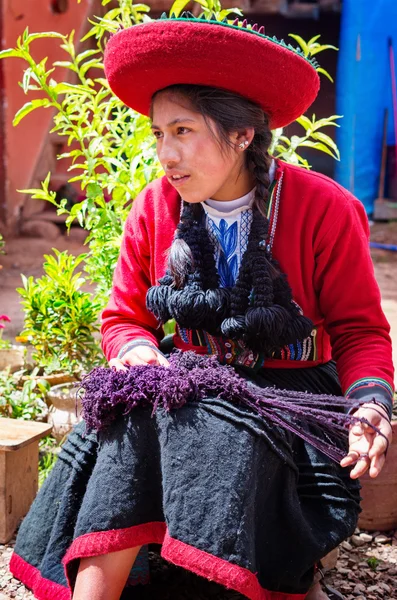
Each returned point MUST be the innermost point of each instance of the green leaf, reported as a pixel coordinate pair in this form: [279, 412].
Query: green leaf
[29, 107]
[11, 52]
[90, 64]
[305, 122]
[45, 34]
[319, 146]
[93, 190]
[313, 39]
[141, 8]
[230, 11]
[322, 137]
[65, 88]
[178, 7]
[301, 42]
[326, 122]
[86, 54]
[324, 72]
[65, 64]
[316, 50]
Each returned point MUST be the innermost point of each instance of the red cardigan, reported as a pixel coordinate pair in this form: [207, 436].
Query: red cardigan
[321, 243]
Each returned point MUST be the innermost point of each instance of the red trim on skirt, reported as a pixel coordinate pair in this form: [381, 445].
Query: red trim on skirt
[44, 589]
[197, 561]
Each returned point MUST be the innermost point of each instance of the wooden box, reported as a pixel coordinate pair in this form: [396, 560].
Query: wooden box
[19, 458]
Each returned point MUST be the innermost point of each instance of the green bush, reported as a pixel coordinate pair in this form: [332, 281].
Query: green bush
[26, 401]
[61, 318]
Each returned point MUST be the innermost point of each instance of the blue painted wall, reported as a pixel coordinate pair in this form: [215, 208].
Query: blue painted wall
[363, 92]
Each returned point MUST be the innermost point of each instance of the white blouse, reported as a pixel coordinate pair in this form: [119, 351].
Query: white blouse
[228, 224]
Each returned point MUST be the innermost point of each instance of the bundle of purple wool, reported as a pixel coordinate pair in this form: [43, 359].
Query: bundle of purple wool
[107, 394]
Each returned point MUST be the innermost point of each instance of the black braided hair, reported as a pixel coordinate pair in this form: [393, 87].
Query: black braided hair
[272, 319]
[191, 295]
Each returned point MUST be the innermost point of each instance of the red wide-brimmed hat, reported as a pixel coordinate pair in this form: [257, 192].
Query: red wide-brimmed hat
[146, 58]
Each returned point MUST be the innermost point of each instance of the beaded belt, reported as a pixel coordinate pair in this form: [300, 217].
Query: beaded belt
[232, 352]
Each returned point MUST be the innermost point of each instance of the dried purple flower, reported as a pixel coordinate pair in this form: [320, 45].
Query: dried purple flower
[107, 394]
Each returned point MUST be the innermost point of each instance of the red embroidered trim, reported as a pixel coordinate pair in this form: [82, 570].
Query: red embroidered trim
[103, 542]
[197, 561]
[44, 589]
[216, 569]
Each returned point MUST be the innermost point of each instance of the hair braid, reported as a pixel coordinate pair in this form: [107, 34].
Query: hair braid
[281, 322]
[254, 260]
[189, 292]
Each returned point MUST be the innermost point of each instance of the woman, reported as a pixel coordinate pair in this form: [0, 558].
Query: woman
[262, 264]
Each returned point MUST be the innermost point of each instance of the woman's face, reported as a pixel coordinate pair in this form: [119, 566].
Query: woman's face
[194, 161]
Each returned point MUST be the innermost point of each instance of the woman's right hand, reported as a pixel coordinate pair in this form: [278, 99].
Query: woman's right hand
[139, 355]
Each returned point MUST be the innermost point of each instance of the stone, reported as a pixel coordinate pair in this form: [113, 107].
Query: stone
[357, 541]
[346, 546]
[373, 588]
[366, 537]
[381, 539]
[40, 229]
[359, 589]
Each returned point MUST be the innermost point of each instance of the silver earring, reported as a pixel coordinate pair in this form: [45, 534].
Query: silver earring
[243, 144]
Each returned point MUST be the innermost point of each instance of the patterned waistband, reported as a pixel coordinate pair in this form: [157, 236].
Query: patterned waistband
[232, 352]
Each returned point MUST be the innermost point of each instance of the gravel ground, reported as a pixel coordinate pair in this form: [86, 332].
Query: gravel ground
[366, 570]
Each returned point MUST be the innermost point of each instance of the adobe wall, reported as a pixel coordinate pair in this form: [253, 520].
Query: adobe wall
[25, 143]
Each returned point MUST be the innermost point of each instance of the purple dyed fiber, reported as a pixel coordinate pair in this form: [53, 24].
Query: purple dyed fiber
[106, 394]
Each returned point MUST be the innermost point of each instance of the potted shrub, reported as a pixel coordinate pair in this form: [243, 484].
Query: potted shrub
[61, 323]
[379, 495]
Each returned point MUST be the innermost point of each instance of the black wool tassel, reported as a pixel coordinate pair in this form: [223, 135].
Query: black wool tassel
[234, 327]
[298, 328]
[270, 322]
[157, 299]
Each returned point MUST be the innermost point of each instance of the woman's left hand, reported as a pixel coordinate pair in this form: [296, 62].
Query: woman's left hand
[366, 447]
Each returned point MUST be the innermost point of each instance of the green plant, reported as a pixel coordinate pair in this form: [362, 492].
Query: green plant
[2, 244]
[312, 47]
[22, 401]
[373, 562]
[286, 148]
[111, 146]
[60, 318]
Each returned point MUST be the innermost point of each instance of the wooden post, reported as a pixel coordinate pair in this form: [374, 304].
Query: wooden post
[19, 457]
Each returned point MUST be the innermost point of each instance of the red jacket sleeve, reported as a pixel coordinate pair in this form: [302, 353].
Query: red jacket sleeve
[126, 317]
[350, 300]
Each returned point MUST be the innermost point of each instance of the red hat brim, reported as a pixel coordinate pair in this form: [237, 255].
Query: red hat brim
[146, 58]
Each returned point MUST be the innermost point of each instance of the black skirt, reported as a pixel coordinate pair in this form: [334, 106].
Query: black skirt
[224, 494]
